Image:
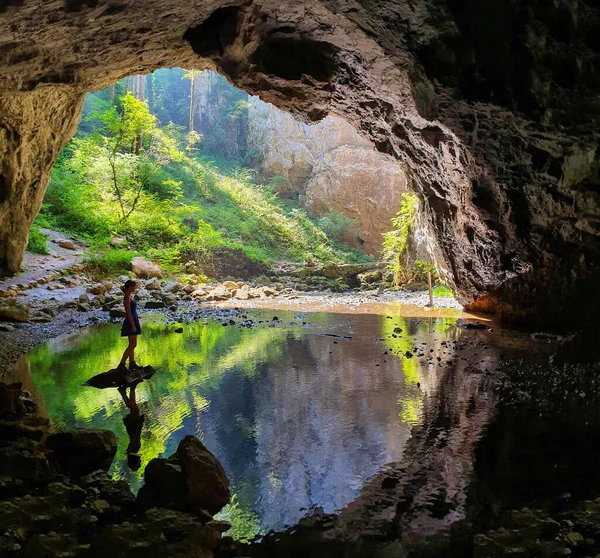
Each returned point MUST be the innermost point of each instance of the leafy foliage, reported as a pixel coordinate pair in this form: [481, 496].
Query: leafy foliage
[37, 240]
[145, 177]
[395, 242]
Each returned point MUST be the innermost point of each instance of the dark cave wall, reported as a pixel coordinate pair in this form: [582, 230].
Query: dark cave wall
[492, 106]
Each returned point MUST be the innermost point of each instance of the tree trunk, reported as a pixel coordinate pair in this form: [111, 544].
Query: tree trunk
[142, 84]
[150, 90]
[192, 86]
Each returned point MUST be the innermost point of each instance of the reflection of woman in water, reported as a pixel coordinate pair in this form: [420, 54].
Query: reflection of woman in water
[133, 422]
[131, 324]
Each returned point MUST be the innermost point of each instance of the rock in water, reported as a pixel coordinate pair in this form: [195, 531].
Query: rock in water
[121, 377]
[82, 451]
[191, 480]
[144, 269]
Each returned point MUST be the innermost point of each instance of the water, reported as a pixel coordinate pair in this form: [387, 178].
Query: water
[298, 416]
[308, 410]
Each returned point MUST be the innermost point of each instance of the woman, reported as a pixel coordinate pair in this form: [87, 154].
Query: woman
[131, 324]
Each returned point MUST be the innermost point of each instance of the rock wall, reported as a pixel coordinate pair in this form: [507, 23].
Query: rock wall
[493, 107]
[328, 166]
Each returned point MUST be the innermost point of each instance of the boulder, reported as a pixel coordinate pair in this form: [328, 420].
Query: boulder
[118, 241]
[82, 451]
[153, 304]
[243, 293]
[67, 244]
[190, 480]
[10, 311]
[230, 285]
[97, 289]
[370, 277]
[173, 287]
[10, 400]
[152, 284]
[144, 269]
[25, 459]
[199, 293]
[219, 293]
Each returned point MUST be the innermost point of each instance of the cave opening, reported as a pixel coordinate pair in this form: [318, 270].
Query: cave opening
[181, 167]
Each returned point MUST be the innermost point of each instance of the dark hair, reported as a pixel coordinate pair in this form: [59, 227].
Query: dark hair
[129, 283]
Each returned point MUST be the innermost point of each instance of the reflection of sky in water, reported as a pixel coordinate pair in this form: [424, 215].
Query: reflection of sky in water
[298, 418]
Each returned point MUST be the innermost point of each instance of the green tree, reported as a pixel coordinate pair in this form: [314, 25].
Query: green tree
[395, 242]
[135, 148]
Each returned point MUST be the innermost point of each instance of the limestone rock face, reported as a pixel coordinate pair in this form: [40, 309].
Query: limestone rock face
[328, 166]
[493, 108]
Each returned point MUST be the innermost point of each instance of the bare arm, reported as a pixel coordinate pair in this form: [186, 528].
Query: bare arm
[128, 315]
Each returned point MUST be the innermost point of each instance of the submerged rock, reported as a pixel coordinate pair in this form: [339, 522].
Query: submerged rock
[82, 451]
[191, 480]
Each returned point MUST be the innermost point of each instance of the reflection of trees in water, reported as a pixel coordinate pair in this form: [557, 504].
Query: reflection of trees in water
[296, 418]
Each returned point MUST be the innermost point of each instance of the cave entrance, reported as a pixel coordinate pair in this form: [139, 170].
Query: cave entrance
[189, 171]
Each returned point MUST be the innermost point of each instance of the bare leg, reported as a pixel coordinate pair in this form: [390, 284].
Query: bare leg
[132, 346]
[129, 351]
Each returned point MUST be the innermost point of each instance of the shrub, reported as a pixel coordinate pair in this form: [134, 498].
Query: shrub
[37, 241]
[110, 260]
[337, 226]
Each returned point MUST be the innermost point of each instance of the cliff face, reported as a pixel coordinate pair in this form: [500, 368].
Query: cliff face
[493, 107]
[328, 166]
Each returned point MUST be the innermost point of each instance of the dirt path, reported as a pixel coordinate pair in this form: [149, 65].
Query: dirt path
[36, 266]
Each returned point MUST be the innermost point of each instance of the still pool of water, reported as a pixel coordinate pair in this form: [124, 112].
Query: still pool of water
[301, 411]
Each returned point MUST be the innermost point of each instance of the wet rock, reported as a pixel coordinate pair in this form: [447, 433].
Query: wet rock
[116, 312]
[6, 327]
[82, 451]
[26, 460]
[12, 312]
[84, 307]
[98, 301]
[32, 428]
[192, 479]
[115, 492]
[145, 269]
[11, 404]
[159, 533]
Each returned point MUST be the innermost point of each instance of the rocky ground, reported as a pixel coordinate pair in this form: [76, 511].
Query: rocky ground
[44, 302]
[56, 499]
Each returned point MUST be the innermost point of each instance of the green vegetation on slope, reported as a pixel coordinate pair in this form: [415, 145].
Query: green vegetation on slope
[129, 173]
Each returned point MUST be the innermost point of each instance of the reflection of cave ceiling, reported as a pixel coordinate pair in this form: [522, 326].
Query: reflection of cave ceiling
[491, 106]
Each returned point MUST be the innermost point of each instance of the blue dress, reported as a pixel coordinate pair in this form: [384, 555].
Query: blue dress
[126, 329]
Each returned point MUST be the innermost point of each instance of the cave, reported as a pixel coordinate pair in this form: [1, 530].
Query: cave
[495, 120]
